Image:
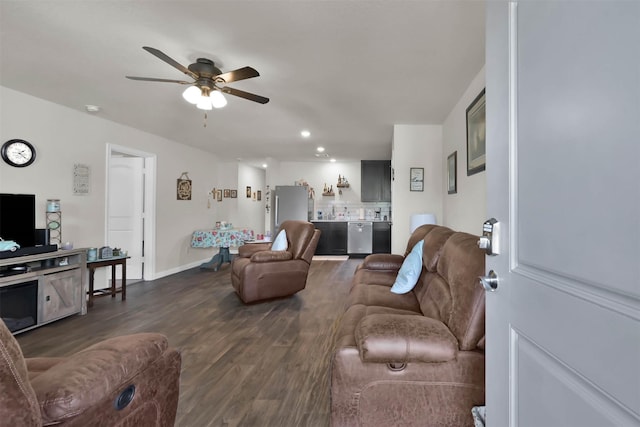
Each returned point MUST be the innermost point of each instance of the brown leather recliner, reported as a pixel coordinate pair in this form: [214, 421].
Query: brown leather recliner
[258, 273]
[413, 359]
[128, 380]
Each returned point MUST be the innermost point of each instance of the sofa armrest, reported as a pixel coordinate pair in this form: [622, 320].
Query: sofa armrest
[270, 256]
[382, 262]
[82, 380]
[388, 338]
[246, 251]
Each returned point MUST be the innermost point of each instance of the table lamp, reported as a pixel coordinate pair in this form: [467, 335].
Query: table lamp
[420, 219]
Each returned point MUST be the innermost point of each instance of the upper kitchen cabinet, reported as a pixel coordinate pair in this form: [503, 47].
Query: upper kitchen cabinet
[376, 180]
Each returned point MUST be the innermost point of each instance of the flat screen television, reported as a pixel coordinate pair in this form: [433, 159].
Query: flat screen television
[18, 218]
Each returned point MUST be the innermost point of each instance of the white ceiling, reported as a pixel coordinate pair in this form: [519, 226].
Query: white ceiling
[345, 70]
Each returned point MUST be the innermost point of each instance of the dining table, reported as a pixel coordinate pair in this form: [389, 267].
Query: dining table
[223, 239]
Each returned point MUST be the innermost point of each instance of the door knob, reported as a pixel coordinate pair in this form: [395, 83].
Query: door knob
[489, 282]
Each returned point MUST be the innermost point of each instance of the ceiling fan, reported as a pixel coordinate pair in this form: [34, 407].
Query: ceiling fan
[206, 89]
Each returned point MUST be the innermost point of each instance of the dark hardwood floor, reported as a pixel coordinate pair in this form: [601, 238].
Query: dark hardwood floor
[265, 364]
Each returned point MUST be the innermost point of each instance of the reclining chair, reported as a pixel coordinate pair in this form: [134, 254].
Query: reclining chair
[128, 380]
[259, 273]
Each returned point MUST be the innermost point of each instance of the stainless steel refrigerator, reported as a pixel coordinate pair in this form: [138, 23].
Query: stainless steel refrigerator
[290, 202]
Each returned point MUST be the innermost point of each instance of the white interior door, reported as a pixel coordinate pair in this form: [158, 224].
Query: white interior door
[563, 178]
[126, 209]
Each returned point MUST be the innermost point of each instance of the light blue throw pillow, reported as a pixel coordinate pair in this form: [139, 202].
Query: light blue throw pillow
[280, 242]
[410, 271]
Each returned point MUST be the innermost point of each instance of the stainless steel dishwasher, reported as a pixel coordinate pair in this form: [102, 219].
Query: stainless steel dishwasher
[360, 237]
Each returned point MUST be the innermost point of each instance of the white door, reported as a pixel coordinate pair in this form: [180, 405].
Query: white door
[563, 178]
[125, 212]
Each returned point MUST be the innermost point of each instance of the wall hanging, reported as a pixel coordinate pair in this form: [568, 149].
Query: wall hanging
[184, 187]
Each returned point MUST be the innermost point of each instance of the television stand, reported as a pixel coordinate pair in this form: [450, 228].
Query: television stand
[51, 287]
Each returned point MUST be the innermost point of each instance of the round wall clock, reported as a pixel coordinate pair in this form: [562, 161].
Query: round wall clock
[18, 153]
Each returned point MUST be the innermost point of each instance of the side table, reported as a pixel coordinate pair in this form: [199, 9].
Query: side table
[113, 262]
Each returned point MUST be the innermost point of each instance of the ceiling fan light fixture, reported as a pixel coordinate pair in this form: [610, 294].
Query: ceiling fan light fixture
[204, 103]
[192, 94]
[217, 99]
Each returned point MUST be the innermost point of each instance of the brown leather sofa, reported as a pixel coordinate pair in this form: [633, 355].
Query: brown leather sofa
[415, 359]
[124, 381]
[258, 273]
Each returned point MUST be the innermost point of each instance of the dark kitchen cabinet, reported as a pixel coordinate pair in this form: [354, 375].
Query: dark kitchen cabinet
[382, 237]
[333, 238]
[376, 180]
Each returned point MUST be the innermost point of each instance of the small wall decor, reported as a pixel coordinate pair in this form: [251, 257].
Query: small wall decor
[259, 195]
[211, 193]
[234, 194]
[416, 179]
[253, 197]
[248, 191]
[267, 195]
[184, 187]
[452, 173]
[81, 179]
[219, 195]
[476, 135]
[227, 193]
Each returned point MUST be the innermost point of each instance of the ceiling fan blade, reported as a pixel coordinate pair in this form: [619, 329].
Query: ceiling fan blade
[245, 95]
[170, 61]
[152, 79]
[239, 74]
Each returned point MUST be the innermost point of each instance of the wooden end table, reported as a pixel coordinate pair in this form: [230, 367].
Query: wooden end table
[105, 262]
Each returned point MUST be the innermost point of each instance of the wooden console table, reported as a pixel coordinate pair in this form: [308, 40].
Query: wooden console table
[113, 262]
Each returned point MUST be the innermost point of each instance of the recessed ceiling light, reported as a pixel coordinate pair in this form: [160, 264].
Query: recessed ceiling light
[92, 108]
[305, 133]
[332, 160]
[264, 165]
[320, 149]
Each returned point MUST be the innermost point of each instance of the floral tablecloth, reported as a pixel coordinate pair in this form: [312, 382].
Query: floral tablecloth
[221, 238]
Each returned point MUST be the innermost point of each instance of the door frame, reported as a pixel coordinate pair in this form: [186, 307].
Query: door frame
[149, 194]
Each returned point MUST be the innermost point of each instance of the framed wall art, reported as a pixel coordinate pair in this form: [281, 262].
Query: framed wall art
[452, 173]
[234, 194]
[248, 191]
[183, 191]
[416, 179]
[476, 135]
[259, 195]
[227, 193]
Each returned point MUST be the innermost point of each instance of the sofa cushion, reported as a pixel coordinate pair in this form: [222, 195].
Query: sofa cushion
[386, 338]
[433, 244]
[461, 263]
[345, 336]
[280, 242]
[270, 256]
[410, 271]
[372, 295]
[383, 262]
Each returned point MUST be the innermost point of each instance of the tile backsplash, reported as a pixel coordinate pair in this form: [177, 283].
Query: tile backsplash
[349, 210]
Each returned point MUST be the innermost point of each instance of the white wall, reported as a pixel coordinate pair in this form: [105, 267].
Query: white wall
[414, 146]
[250, 211]
[63, 136]
[464, 211]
